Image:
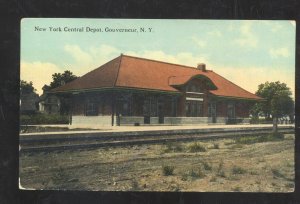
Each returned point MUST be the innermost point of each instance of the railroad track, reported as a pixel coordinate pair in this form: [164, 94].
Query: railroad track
[61, 142]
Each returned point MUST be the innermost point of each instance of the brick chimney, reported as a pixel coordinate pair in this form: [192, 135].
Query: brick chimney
[201, 66]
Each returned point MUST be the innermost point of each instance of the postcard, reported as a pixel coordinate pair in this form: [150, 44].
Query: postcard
[157, 105]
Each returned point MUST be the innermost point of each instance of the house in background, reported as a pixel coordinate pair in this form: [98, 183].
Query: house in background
[49, 103]
[136, 91]
[29, 103]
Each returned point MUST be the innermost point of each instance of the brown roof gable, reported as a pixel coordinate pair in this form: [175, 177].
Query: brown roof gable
[133, 72]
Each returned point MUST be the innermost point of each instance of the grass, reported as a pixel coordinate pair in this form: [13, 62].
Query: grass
[216, 146]
[173, 147]
[196, 147]
[259, 138]
[168, 170]
[194, 173]
[207, 166]
[277, 173]
[134, 185]
[238, 170]
[237, 189]
[220, 170]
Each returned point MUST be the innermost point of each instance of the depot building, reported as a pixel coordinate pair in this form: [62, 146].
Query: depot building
[135, 91]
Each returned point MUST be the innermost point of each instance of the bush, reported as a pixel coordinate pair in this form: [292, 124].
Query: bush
[173, 147]
[238, 170]
[259, 138]
[216, 146]
[168, 170]
[196, 147]
[277, 173]
[194, 173]
[43, 119]
[207, 166]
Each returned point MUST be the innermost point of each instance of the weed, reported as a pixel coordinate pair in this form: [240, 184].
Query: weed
[222, 174]
[238, 170]
[237, 189]
[168, 170]
[290, 185]
[194, 173]
[220, 167]
[253, 172]
[236, 146]
[196, 147]
[173, 147]
[207, 166]
[213, 179]
[60, 178]
[216, 146]
[259, 138]
[277, 173]
[134, 185]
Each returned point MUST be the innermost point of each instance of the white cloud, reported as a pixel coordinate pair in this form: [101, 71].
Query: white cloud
[279, 52]
[247, 38]
[91, 58]
[250, 77]
[40, 73]
[199, 42]
[183, 58]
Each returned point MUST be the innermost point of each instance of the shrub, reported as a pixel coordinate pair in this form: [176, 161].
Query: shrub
[173, 147]
[207, 166]
[220, 171]
[277, 173]
[238, 170]
[168, 170]
[196, 147]
[193, 173]
[259, 138]
[216, 146]
[43, 119]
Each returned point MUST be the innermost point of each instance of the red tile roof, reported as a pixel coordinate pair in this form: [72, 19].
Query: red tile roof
[133, 72]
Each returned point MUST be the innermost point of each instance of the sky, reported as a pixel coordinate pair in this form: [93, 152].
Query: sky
[245, 52]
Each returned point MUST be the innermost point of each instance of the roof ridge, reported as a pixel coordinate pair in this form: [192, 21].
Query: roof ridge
[120, 61]
[180, 65]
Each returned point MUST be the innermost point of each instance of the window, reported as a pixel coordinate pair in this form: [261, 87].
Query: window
[124, 106]
[150, 107]
[91, 108]
[194, 109]
[193, 88]
[231, 110]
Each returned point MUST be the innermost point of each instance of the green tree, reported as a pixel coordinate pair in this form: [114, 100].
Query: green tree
[278, 101]
[26, 87]
[60, 79]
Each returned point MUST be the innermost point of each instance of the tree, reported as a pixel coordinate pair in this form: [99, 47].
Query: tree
[278, 101]
[28, 98]
[62, 78]
[26, 87]
[59, 79]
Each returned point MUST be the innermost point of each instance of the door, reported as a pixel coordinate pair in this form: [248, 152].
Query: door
[161, 118]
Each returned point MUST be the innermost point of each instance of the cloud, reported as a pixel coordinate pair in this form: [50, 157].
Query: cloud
[247, 37]
[40, 73]
[184, 58]
[199, 42]
[250, 77]
[90, 58]
[279, 52]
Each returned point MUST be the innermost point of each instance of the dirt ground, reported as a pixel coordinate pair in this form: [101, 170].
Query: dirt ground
[206, 166]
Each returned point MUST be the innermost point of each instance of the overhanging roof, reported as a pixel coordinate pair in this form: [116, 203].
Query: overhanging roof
[139, 73]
